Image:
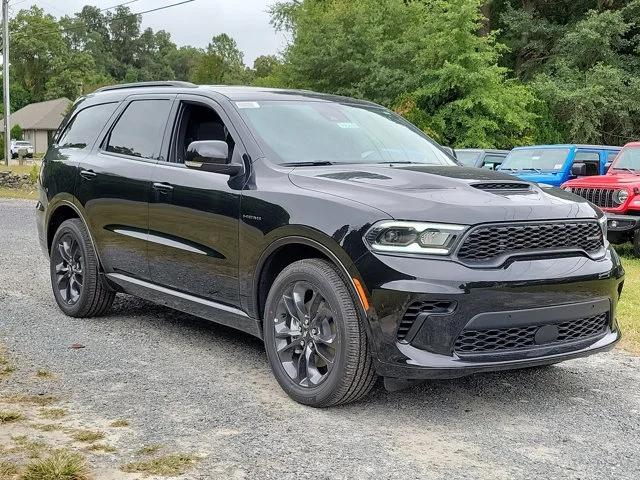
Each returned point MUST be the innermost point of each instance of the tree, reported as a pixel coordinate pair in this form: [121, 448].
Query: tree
[424, 58]
[16, 132]
[222, 63]
[590, 81]
[37, 44]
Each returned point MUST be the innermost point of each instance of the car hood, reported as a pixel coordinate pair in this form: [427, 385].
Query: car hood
[609, 180]
[441, 194]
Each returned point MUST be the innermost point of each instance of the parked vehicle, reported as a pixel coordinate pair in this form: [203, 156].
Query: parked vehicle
[329, 227]
[21, 145]
[618, 194]
[475, 157]
[554, 164]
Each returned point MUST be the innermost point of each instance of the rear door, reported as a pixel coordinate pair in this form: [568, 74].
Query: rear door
[194, 215]
[115, 182]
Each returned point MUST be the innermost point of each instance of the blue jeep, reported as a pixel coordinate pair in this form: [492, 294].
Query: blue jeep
[555, 164]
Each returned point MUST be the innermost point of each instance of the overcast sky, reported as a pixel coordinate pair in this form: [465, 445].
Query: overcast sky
[193, 23]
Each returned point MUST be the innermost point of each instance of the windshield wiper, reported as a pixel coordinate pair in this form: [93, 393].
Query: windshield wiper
[307, 164]
[537, 170]
[635, 172]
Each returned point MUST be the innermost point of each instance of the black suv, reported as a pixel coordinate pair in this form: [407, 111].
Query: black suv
[329, 227]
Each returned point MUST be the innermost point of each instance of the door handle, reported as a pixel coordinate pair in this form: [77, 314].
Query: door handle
[162, 187]
[88, 174]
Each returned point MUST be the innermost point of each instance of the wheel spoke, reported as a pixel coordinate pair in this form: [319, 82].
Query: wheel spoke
[288, 347]
[299, 293]
[62, 269]
[63, 280]
[302, 368]
[323, 352]
[313, 374]
[63, 252]
[290, 306]
[284, 331]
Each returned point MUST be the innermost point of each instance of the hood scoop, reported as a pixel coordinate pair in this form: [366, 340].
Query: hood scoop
[502, 186]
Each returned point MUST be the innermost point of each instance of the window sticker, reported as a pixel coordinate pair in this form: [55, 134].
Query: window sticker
[557, 166]
[247, 105]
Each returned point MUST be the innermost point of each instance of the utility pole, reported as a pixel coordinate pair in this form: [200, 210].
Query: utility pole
[5, 80]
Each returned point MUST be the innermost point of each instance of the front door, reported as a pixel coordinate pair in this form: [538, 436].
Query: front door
[193, 215]
[115, 183]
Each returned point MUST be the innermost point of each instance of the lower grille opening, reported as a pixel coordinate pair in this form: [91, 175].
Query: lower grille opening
[499, 340]
[416, 308]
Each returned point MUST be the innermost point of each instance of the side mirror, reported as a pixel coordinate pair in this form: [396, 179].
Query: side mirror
[450, 151]
[579, 169]
[211, 156]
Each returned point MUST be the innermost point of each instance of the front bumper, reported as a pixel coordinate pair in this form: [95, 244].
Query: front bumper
[621, 227]
[523, 296]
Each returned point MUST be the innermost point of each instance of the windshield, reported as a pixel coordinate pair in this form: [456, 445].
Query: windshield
[467, 157]
[294, 132]
[629, 159]
[536, 159]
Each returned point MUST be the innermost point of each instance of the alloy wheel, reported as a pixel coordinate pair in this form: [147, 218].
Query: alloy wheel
[69, 269]
[306, 336]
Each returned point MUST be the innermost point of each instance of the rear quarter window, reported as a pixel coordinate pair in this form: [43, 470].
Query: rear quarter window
[139, 130]
[83, 129]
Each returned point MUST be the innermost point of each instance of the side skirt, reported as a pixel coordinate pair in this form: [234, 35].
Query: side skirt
[200, 307]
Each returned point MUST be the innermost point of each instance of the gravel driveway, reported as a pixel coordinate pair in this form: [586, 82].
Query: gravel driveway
[200, 387]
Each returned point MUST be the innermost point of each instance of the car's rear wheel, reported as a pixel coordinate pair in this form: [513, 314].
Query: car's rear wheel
[315, 338]
[77, 285]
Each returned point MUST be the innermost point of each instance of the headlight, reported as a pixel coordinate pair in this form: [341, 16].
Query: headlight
[568, 189]
[620, 196]
[603, 225]
[413, 237]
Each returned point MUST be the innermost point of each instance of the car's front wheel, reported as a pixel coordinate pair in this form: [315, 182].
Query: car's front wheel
[636, 243]
[314, 336]
[75, 277]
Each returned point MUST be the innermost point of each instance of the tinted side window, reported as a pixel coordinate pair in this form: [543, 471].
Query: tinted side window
[140, 129]
[85, 126]
[493, 161]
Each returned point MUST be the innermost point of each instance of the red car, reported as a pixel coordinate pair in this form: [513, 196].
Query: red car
[617, 193]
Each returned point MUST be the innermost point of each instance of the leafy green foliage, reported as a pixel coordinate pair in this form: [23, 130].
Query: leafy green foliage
[423, 58]
[481, 73]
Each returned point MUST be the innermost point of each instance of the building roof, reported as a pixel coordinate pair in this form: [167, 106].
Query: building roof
[40, 116]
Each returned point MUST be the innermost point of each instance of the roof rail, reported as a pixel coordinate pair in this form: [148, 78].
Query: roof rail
[146, 84]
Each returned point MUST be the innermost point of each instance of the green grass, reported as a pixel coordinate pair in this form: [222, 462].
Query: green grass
[60, 465]
[629, 306]
[10, 416]
[8, 469]
[27, 193]
[23, 193]
[150, 449]
[87, 436]
[52, 413]
[167, 465]
[119, 423]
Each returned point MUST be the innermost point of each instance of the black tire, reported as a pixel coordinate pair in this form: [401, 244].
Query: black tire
[636, 243]
[351, 375]
[78, 288]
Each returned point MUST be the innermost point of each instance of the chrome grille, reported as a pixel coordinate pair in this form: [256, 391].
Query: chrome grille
[602, 197]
